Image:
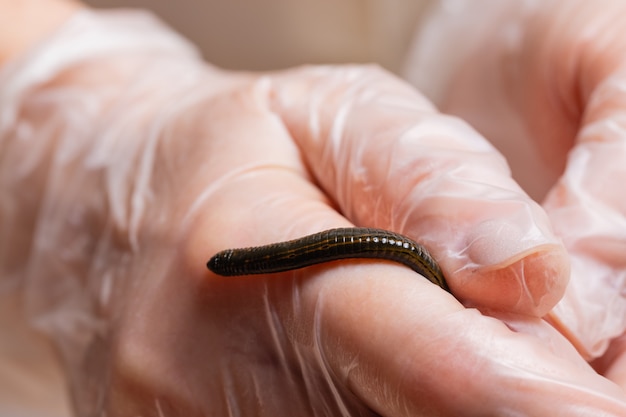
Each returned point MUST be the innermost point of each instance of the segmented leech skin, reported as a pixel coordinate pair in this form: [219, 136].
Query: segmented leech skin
[326, 246]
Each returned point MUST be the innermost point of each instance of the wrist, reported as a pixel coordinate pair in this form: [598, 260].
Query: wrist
[24, 23]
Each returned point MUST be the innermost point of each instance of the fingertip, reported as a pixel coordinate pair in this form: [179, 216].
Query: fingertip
[530, 283]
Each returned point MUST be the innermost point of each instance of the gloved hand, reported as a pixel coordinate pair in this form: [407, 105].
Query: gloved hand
[127, 162]
[546, 82]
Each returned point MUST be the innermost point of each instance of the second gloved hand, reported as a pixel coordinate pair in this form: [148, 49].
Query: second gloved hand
[545, 81]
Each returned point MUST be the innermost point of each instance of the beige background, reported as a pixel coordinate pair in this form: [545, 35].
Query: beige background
[269, 34]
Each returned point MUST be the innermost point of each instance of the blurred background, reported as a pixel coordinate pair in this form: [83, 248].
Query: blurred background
[271, 34]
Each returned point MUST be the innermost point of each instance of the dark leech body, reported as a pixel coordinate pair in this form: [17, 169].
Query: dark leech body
[327, 246]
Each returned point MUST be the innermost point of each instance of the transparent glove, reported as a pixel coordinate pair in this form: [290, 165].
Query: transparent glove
[546, 82]
[126, 162]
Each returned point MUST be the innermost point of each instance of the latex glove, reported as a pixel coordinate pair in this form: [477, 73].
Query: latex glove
[127, 162]
[547, 81]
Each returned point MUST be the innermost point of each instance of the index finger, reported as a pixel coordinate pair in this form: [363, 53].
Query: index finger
[389, 160]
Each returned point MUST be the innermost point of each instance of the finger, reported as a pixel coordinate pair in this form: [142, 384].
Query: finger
[410, 351]
[382, 153]
[590, 216]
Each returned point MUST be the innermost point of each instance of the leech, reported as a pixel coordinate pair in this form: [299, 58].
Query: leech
[327, 246]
